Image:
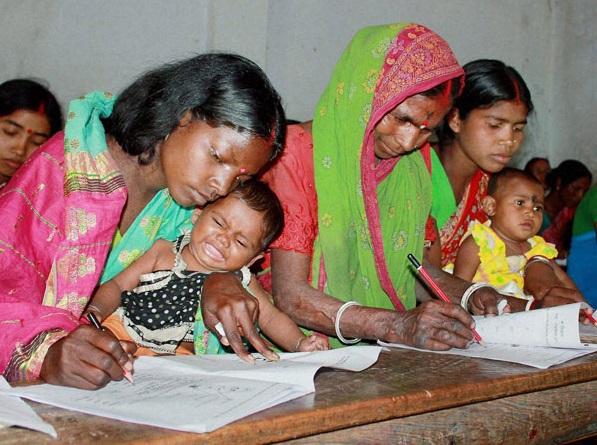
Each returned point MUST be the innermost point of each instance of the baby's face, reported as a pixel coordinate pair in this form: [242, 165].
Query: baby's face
[518, 209]
[226, 236]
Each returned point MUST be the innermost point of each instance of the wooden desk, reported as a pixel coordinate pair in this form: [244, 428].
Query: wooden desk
[406, 397]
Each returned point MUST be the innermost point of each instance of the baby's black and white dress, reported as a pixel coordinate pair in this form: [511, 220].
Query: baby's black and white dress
[160, 312]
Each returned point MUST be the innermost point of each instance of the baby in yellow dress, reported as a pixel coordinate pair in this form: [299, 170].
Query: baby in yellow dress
[498, 251]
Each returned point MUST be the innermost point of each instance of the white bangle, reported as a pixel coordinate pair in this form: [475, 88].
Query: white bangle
[345, 306]
[467, 293]
[529, 304]
[246, 273]
[91, 307]
[535, 259]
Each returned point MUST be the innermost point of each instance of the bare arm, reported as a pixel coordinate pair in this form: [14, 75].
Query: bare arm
[433, 254]
[432, 325]
[467, 260]
[482, 302]
[275, 324]
[550, 285]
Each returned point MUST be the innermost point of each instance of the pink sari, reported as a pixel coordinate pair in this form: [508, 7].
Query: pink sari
[59, 215]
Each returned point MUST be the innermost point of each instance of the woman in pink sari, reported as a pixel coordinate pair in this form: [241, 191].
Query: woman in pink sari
[125, 171]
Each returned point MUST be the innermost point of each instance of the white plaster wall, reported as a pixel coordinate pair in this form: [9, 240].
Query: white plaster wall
[82, 45]
[573, 122]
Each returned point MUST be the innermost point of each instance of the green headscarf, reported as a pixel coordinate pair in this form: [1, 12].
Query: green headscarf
[371, 217]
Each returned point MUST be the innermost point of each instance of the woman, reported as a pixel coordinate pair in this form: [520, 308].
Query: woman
[568, 183]
[357, 196]
[539, 168]
[480, 136]
[126, 171]
[583, 248]
[29, 115]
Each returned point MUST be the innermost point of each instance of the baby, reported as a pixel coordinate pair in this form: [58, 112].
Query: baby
[498, 251]
[156, 299]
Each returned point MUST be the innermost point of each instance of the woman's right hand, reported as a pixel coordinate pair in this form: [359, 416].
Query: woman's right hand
[434, 325]
[87, 358]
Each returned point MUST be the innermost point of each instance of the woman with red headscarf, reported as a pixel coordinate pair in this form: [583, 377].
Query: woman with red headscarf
[356, 192]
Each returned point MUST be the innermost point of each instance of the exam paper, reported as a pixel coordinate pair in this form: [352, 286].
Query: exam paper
[15, 412]
[539, 338]
[202, 393]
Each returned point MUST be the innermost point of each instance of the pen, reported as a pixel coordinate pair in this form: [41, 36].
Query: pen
[438, 290]
[95, 322]
[590, 317]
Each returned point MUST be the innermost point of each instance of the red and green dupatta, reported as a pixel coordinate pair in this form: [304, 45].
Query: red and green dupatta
[370, 217]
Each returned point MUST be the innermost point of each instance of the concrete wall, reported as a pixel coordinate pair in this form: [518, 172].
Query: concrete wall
[83, 45]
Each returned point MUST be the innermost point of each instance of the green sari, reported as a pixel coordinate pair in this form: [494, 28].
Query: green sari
[371, 217]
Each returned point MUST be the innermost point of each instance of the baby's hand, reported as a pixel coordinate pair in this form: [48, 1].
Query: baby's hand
[314, 343]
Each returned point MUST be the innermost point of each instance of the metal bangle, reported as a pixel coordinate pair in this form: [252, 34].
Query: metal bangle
[91, 307]
[537, 258]
[345, 306]
[467, 293]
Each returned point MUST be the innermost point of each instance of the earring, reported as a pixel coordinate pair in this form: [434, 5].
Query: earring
[167, 136]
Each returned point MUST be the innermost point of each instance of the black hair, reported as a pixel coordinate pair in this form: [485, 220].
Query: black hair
[487, 82]
[497, 180]
[258, 196]
[532, 161]
[28, 94]
[567, 172]
[221, 89]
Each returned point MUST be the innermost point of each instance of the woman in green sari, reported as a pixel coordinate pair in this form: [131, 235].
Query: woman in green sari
[357, 196]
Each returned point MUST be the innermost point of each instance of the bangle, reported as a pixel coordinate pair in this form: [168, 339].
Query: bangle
[345, 306]
[530, 304]
[298, 343]
[246, 275]
[91, 307]
[537, 258]
[467, 293]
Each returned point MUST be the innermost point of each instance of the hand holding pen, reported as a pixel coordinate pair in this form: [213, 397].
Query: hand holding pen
[95, 322]
[438, 290]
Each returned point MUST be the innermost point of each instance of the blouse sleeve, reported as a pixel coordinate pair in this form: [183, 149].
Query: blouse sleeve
[292, 179]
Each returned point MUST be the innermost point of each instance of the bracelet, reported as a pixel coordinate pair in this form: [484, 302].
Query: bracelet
[298, 343]
[501, 305]
[530, 304]
[91, 307]
[539, 258]
[345, 306]
[467, 293]
[246, 275]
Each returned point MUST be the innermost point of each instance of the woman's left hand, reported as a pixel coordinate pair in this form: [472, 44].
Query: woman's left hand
[225, 301]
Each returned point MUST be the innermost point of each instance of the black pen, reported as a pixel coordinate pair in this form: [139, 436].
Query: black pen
[95, 322]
